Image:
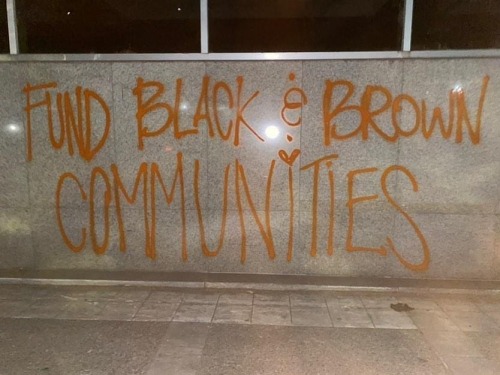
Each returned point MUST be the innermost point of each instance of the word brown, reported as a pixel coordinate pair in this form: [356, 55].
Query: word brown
[459, 119]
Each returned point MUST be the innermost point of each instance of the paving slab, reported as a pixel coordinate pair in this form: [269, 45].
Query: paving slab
[245, 350]
[74, 347]
[388, 318]
[433, 320]
[150, 331]
[235, 314]
[156, 312]
[274, 299]
[351, 318]
[194, 312]
[317, 316]
[276, 315]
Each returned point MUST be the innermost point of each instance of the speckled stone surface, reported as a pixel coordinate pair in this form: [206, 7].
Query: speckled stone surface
[78, 347]
[218, 167]
[453, 177]
[14, 176]
[285, 350]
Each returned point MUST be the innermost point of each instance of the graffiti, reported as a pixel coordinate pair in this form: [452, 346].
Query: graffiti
[202, 111]
[68, 117]
[368, 116]
[290, 105]
[72, 128]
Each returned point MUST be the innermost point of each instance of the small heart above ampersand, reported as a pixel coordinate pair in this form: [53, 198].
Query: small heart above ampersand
[289, 159]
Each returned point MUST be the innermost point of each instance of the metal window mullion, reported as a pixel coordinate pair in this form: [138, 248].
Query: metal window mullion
[408, 23]
[204, 25]
[12, 26]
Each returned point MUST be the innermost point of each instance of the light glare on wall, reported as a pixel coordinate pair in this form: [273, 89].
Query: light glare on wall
[272, 132]
[13, 128]
[458, 88]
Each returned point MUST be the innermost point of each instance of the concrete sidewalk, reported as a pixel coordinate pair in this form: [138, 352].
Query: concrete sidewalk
[128, 330]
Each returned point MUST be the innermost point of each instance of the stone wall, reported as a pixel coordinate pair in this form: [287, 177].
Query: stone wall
[346, 168]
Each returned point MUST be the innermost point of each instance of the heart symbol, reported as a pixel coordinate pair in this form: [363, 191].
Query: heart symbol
[289, 159]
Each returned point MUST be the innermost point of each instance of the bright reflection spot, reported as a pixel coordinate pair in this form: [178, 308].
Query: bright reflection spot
[272, 132]
[68, 13]
[458, 88]
[184, 106]
[13, 128]
[178, 9]
[271, 55]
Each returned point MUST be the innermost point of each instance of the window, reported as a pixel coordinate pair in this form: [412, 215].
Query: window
[108, 26]
[4, 31]
[456, 24]
[304, 25]
[253, 26]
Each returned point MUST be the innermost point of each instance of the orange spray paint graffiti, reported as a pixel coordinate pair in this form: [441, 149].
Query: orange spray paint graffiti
[71, 126]
[459, 118]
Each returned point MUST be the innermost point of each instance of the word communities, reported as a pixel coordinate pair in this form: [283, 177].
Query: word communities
[150, 188]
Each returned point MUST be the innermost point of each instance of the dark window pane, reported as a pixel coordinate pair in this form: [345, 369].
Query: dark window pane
[304, 25]
[108, 26]
[456, 24]
[4, 30]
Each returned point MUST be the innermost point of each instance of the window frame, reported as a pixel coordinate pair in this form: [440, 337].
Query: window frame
[204, 55]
